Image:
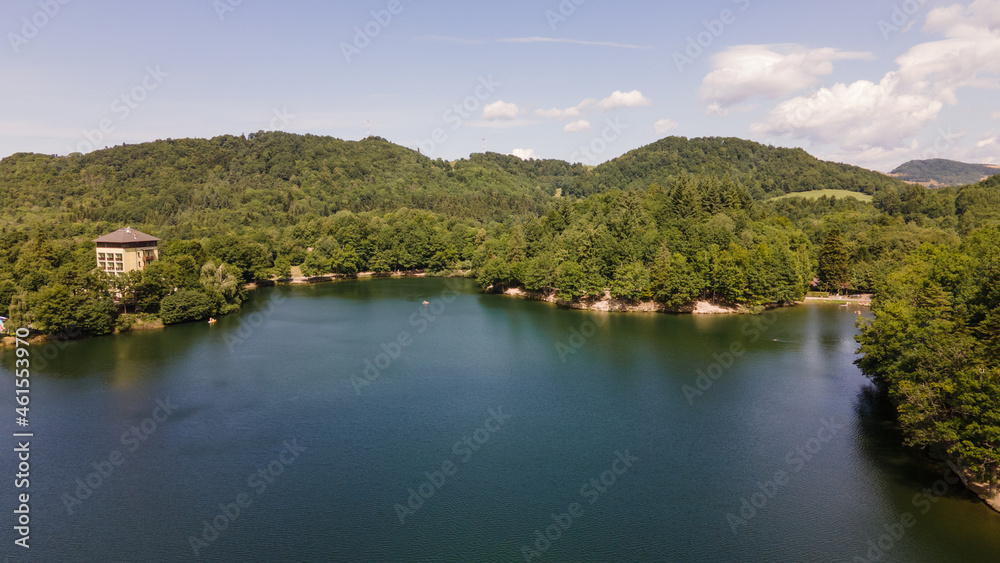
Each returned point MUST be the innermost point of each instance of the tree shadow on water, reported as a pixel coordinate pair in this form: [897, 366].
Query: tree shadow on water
[882, 442]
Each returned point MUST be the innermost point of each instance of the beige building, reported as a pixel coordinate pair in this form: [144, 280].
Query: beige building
[126, 250]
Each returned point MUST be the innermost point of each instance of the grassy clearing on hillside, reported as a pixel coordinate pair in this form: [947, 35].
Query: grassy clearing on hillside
[816, 194]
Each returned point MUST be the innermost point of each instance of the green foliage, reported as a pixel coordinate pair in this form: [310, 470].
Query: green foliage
[20, 313]
[97, 317]
[637, 246]
[7, 291]
[631, 282]
[54, 308]
[186, 305]
[764, 170]
[931, 349]
[834, 267]
[678, 220]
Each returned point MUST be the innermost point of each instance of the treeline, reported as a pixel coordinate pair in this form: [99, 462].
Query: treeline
[764, 170]
[266, 179]
[700, 238]
[933, 349]
[48, 278]
[236, 209]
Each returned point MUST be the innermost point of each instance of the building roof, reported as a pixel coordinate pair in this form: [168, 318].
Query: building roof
[126, 234]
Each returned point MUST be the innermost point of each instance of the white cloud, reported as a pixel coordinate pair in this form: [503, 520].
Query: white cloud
[995, 115]
[524, 154]
[664, 125]
[771, 71]
[500, 110]
[568, 113]
[866, 117]
[577, 126]
[977, 15]
[986, 142]
[619, 99]
[856, 116]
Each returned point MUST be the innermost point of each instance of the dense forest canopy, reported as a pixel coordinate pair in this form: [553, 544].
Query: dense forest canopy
[764, 170]
[676, 221]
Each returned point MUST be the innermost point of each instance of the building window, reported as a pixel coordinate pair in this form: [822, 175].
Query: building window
[100, 256]
[120, 266]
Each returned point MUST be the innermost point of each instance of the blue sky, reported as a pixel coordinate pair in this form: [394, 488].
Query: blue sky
[868, 83]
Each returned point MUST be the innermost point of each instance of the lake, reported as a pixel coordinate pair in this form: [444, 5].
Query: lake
[351, 422]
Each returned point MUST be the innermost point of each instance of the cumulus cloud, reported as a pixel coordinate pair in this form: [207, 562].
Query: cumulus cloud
[577, 126]
[864, 117]
[856, 116]
[524, 154]
[619, 99]
[664, 125]
[574, 112]
[500, 110]
[771, 71]
[995, 115]
[977, 15]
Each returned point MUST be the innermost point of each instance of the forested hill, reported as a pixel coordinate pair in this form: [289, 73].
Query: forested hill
[765, 170]
[942, 172]
[268, 178]
[278, 178]
[674, 222]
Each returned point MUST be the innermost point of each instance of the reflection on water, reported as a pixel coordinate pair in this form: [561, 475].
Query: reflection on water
[578, 386]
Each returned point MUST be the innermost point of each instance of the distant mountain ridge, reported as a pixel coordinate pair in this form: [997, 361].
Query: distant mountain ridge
[937, 172]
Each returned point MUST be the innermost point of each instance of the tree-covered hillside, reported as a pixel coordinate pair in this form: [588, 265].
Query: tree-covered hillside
[272, 179]
[675, 221]
[765, 170]
[943, 172]
[934, 350]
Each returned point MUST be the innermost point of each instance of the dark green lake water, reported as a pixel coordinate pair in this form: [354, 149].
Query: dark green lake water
[490, 422]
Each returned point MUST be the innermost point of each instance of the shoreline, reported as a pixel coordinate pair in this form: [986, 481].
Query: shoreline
[862, 300]
[329, 278]
[10, 341]
[608, 304]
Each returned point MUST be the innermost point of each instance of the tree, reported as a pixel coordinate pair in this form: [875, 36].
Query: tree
[345, 261]
[631, 282]
[19, 312]
[96, 317]
[55, 309]
[571, 280]
[673, 280]
[834, 265]
[7, 291]
[931, 350]
[185, 305]
[224, 280]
